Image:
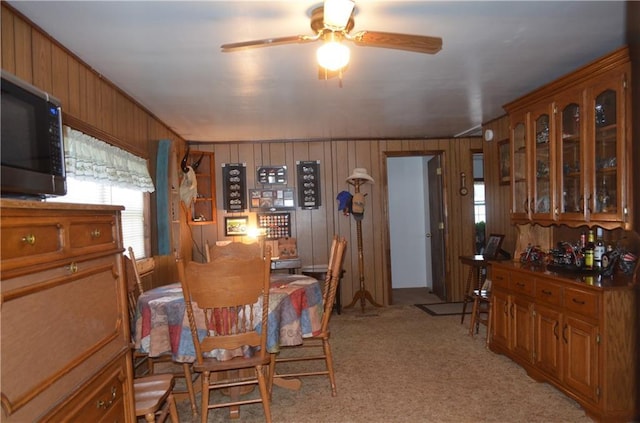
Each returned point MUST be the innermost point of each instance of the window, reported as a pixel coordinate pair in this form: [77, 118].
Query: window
[90, 192]
[100, 173]
[479, 203]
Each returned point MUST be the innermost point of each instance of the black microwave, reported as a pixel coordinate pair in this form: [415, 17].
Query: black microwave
[32, 156]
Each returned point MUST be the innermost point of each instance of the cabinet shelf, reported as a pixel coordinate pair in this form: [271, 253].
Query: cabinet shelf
[203, 210]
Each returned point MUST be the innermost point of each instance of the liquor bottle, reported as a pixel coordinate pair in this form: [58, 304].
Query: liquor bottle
[588, 250]
[599, 250]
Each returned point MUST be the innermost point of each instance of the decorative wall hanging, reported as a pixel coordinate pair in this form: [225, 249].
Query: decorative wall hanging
[236, 225]
[272, 199]
[276, 225]
[309, 196]
[234, 186]
[271, 175]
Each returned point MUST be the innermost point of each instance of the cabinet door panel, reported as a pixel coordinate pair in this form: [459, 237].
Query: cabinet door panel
[542, 165]
[547, 352]
[581, 357]
[608, 194]
[571, 157]
[519, 169]
[500, 313]
[521, 328]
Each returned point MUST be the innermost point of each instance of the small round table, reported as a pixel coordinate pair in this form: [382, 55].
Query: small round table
[319, 272]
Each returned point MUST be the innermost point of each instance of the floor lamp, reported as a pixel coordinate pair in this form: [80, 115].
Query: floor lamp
[357, 179]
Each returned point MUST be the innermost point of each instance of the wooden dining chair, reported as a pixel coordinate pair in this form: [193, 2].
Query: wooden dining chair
[140, 359]
[320, 342]
[154, 399]
[233, 249]
[224, 319]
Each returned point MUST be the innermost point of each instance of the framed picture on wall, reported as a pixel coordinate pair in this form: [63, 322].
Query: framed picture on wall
[236, 225]
[504, 160]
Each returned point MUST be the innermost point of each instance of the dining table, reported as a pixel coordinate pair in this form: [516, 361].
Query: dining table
[295, 312]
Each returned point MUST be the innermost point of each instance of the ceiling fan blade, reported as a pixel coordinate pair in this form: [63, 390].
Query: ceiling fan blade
[268, 42]
[416, 43]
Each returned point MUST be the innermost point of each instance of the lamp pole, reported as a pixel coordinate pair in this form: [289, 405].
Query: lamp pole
[362, 294]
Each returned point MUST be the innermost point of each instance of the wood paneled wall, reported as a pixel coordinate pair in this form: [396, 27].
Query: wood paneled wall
[498, 196]
[90, 103]
[315, 228]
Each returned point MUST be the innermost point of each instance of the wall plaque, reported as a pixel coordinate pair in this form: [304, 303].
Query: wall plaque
[309, 196]
[234, 186]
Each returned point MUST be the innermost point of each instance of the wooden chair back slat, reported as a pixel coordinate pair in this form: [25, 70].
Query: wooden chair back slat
[231, 295]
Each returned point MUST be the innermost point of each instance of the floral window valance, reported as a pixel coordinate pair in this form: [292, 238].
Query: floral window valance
[90, 159]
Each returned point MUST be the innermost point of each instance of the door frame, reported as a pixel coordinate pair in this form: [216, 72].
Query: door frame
[387, 228]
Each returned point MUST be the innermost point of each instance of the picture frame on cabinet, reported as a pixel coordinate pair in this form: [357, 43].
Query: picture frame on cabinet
[236, 225]
[504, 160]
[494, 244]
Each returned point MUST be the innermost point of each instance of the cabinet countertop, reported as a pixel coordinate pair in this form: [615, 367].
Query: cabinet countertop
[618, 280]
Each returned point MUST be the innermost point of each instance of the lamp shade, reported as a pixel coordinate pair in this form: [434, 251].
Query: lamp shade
[337, 13]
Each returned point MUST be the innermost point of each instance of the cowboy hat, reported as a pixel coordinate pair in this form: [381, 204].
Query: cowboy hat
[360, 173]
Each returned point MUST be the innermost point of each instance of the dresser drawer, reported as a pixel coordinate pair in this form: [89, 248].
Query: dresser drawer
[581, 302]
[522, 284]
[25, 242]
[101, 400]
[98, 232]
[499, 278]
[548, 292]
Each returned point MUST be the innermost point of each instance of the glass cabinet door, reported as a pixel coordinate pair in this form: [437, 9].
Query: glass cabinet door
[606, 196]
[542, 149]
[571, 162]
[519, 169]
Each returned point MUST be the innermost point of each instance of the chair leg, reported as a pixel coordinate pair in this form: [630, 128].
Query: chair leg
[264, 393]
[173, 410]
[474, 317]
[272, 372]
[204, 409]
[489, 322]
[329, 362]
[189, 382]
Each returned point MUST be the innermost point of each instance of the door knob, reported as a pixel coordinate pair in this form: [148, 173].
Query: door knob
[429, 235]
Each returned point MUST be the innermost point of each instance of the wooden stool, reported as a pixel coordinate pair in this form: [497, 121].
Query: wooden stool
[481, 307]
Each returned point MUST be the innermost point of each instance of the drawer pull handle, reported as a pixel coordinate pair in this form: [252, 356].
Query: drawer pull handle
[546, 292]
[564, 333]
[95, 233]
[520, 284]
[29, 239]
[106, 404]
[555, 329]
[73, 267]
[577, 301]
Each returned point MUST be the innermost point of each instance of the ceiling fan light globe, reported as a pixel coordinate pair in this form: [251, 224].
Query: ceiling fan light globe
[337, 13]
[333, 55]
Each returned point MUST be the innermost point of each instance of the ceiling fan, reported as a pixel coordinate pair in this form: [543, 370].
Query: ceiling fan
[332, 23]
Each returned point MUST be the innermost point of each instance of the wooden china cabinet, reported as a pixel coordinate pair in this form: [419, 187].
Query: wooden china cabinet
[571, 167]
[571, 148]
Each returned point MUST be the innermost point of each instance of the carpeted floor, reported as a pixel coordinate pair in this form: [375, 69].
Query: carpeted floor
[399, 364]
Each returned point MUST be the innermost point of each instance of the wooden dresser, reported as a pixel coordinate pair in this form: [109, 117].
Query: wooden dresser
[65, 334]
[577, 333]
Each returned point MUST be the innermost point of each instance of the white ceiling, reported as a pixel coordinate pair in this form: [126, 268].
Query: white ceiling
[166, 55]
